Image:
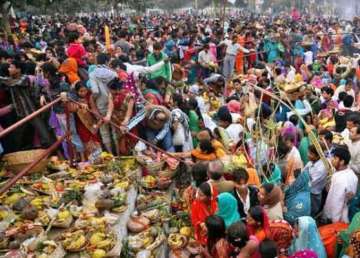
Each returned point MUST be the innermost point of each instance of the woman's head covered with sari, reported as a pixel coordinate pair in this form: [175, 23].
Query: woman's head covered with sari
[308, 238]
[70, 68]
[227, 209]
[270, 195]
[258, 223]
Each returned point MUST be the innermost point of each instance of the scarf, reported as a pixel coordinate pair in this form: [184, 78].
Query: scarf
[272, 198]
[227, 209]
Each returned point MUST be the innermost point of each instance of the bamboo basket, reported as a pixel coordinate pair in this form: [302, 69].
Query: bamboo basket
[17, 161]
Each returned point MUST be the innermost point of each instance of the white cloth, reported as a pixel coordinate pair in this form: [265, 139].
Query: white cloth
[204, 57]
[233, 49]
[139, 69]
[308, 57]
[342, 183]
[234, 131]
[354, 148]
[294, 155]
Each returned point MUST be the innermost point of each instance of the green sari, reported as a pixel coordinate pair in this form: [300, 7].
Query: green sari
[346, 234]
[194, 125]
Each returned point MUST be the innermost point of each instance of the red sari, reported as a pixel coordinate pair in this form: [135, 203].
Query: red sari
[263, 232]
[199, 212]
[121, 99]
[85, 123]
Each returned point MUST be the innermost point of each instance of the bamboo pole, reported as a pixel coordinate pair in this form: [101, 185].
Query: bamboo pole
[28, 118]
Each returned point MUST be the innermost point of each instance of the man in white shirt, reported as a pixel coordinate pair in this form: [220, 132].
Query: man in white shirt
[232, 48]
[318, 174]
[204, 59]
[343, 187]
[354, 148]
[345, 86]
[233, 130]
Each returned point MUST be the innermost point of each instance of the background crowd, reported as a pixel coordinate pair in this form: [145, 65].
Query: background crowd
[263, 109]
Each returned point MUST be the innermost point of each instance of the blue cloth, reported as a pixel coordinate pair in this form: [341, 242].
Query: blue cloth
[228, 209]
[297, 198]
[308, 238]
[165, 143]
[1, 149]
[272, 50]
[275, 177]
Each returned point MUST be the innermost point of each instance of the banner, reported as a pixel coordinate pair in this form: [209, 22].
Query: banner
[107, 38]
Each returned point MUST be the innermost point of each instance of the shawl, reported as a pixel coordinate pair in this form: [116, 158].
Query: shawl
[308, 239]
[297, 198]
[227, 209]
[272, 198]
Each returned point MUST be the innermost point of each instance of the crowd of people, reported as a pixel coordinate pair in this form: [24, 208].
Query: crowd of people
[264, 109]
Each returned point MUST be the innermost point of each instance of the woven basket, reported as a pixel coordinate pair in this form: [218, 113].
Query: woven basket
[153, 167]
[17, 161]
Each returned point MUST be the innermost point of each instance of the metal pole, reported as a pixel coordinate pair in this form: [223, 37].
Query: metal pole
[28, 118]
[23, 172]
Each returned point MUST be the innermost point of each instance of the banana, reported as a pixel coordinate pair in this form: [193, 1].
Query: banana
[158, 241]
[105, 243]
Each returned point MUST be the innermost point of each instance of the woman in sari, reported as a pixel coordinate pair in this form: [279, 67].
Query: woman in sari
[194, 119]
[297, 198]
[202, 207]
[270, 197]
[124, 107]
[227, 209]
[344, 237]
[86, 124]
[239, 62]
[308, 238]
[258, 223]
[282, 233]
[217, 246]
[199, 176]
[152, 93]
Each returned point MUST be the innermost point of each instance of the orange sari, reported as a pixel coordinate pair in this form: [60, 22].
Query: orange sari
[239, 63]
